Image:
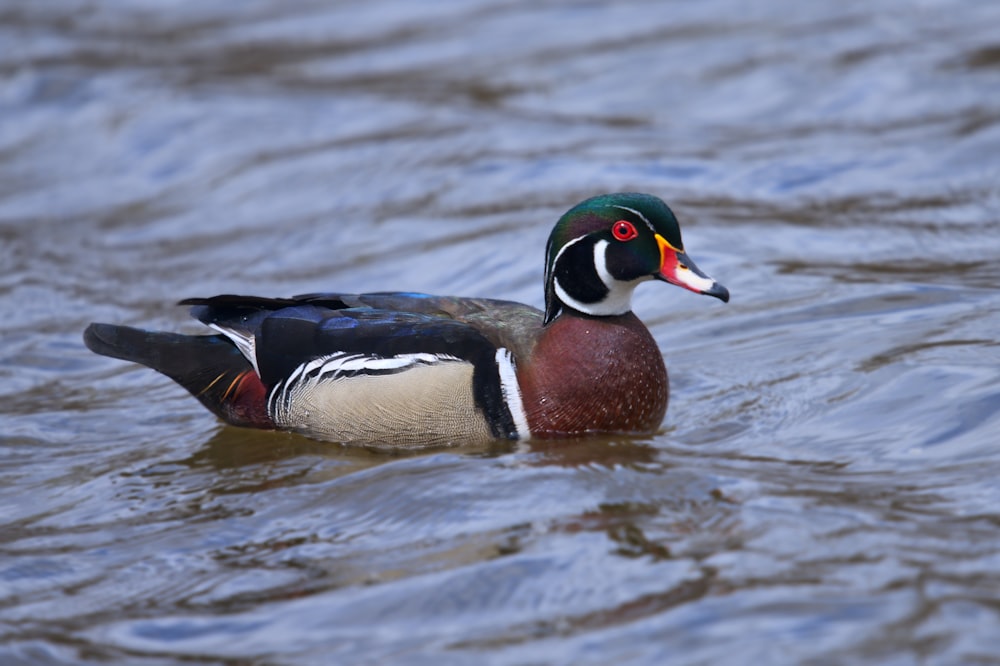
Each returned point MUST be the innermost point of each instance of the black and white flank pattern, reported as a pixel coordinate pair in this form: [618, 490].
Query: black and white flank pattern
[311, 377]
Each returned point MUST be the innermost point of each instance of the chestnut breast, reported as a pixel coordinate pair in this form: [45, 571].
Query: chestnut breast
[592, 374]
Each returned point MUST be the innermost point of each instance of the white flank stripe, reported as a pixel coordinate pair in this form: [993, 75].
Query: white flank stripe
[294, 377]
[384, 363]
[246, 344]
[315, 364]
[354, 364]
[512, 392]
[334, 366]
[338, 367]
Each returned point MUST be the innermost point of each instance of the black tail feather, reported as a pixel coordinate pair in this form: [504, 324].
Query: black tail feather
[210, 367]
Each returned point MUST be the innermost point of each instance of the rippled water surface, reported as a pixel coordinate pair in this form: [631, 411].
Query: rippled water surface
[825, 487]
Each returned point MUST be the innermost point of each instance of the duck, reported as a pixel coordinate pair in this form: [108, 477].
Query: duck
[410, 370]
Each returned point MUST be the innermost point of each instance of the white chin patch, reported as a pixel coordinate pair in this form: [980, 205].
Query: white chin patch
[619, 298]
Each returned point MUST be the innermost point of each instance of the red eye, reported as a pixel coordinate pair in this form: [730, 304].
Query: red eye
[624, 230]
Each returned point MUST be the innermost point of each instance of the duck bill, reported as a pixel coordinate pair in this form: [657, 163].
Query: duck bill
[677, 268]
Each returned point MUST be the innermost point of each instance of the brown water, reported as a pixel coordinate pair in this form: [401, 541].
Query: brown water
[825, 489]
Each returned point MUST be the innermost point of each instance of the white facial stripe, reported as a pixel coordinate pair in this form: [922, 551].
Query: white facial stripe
[572, 302]
[560, 292]
[601, 264]
[637, 214]
[512, 392]
[619, 298]
[555, 262]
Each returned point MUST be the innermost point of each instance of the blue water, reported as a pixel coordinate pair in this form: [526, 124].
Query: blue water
[824, 488]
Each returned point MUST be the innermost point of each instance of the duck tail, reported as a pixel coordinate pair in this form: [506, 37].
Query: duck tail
[210, 367]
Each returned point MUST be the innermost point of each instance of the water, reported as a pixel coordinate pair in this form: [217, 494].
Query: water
[824, 489]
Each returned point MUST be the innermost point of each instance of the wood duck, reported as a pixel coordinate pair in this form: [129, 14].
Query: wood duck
[407, 370]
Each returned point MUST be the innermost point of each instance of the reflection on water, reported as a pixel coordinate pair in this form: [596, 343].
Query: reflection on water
[823, 488]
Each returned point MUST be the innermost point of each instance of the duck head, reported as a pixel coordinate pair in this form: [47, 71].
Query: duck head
[604, 247]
